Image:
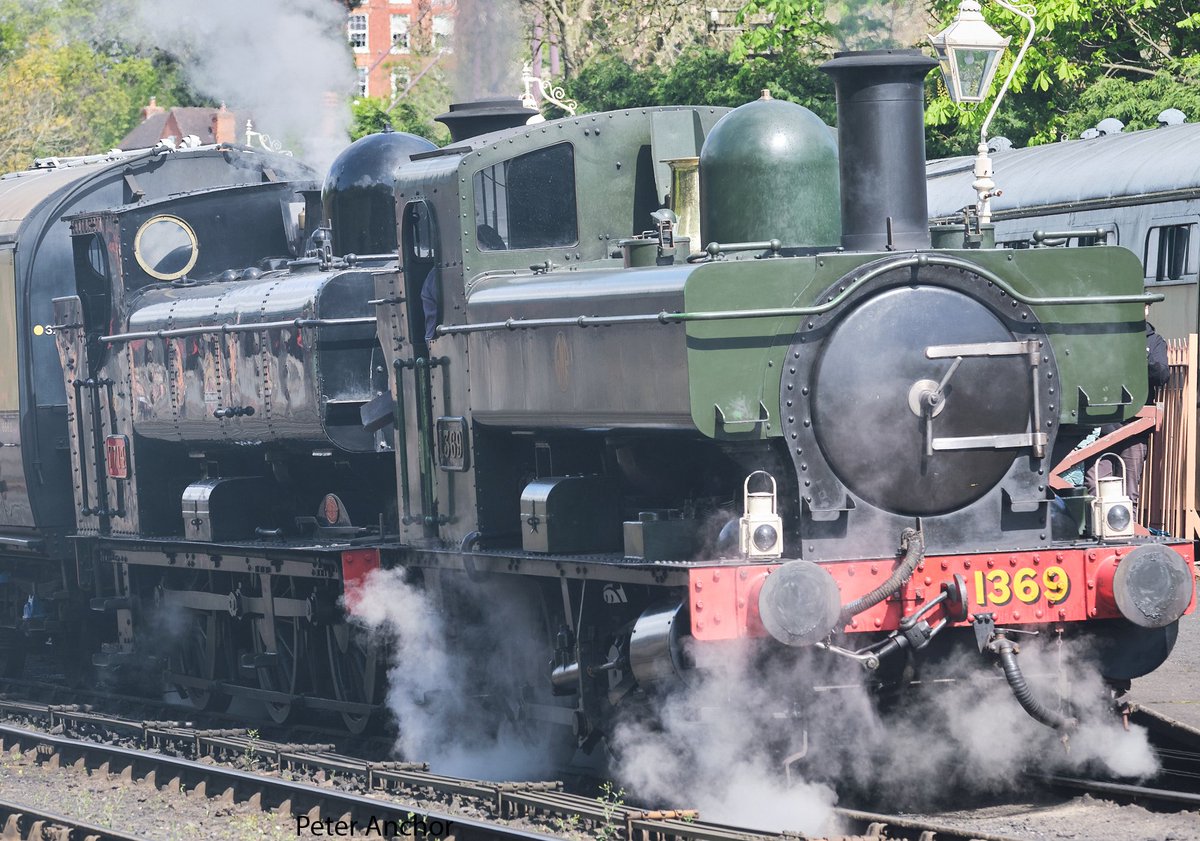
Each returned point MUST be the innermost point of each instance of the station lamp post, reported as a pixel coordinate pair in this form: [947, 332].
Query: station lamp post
[969, 51]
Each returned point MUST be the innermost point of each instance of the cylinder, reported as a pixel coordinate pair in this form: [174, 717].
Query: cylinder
[656, 655]
[881, 148]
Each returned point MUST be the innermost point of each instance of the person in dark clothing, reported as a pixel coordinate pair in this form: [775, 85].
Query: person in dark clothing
[431, 303]
[1133, 450]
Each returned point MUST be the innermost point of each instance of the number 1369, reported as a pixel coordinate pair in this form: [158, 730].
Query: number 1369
[998, 587]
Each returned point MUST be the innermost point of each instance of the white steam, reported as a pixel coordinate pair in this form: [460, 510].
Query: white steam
[702, 752]
[459, 663]
[463, 657]
[718, 744]
[487, 47]
[963, 721]
[286, 62]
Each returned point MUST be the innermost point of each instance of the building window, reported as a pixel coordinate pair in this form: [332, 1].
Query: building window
[1169, 252]
[401, 79]
[400, 42]
[362, 81]
[356, 27]
[443, 31]
[528, 201]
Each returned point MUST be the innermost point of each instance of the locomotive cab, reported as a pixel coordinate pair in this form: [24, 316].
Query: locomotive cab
[200, 321]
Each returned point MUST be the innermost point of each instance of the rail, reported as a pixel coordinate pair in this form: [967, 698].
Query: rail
[271, 792]
[21, 821]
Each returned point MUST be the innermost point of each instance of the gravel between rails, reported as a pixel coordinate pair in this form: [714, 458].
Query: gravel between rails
[1077, 819]
[132, 807]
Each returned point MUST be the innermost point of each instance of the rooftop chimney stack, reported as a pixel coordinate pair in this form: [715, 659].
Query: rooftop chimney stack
[224, 127]
[151, 109]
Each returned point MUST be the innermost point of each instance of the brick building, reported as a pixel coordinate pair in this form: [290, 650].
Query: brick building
[209, 125]
[393, 41]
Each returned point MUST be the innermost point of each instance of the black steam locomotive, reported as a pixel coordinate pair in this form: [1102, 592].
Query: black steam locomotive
[508, 366]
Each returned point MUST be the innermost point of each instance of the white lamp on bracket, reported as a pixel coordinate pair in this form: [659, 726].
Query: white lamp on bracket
[968, 51]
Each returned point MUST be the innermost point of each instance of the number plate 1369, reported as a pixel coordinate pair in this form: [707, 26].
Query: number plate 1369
[997, 587]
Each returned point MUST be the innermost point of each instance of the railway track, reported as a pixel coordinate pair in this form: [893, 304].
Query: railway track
[321, 772]
[1177, 745]
[314, 783]
[19, 822]
[1178, 748]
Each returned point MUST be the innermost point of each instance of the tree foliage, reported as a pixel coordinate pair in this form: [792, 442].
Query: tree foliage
[66, 89]
[702, 76]
[70, 94]
[643, 34]
[1087, 56]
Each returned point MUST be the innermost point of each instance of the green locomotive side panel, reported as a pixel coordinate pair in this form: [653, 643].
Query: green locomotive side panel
[1100, 348]
[735, 365]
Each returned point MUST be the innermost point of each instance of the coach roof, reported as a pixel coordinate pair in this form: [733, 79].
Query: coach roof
[1161, 160]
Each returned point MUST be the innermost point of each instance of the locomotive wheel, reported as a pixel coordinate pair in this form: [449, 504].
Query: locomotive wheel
[199, 653]
[286, 638]
[353, 671]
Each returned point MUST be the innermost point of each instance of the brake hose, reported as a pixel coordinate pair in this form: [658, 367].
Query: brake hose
[913, 544]
[1006, 650]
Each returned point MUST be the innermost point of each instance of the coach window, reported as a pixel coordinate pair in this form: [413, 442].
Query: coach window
[1169, 254]
[9, 395]
[528, 201]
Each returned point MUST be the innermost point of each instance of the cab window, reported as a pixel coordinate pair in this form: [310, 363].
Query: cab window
[527, 201]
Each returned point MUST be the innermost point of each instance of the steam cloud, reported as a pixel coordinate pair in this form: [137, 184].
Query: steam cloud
[452, 680]
[284, 61]
[487, 41]
[716, 744]
[702, 751]
[945, 739]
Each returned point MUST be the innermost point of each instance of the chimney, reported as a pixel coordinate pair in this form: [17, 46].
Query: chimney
[151, 109]
[481, 116]
[881, 148]
[224, 127]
